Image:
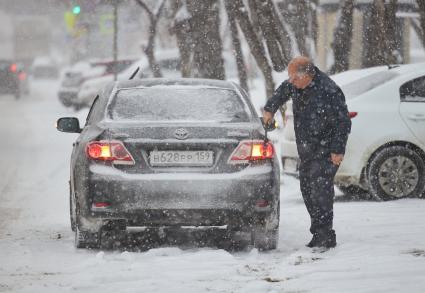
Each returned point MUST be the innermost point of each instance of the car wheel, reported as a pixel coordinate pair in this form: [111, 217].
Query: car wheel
[396, 172]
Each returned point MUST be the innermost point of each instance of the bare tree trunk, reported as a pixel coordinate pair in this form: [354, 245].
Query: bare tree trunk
[421, 6]
[182, 28]
[149, 49]
[207, 58]
[301, 31]
[382, 48]
[252, 4]
[240, 63]
[296, 13]
[272, 28]
[375, 49]
[314, 22]
[392, 54]
[418, 30]
[237, 10]
[342, 38]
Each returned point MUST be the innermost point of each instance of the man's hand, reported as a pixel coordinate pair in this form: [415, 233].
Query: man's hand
[337, 159]
[267, 117]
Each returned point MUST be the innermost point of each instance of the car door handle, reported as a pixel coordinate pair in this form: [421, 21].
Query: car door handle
[416, 117]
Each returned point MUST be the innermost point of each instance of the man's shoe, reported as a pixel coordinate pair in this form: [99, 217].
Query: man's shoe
[327, 241]
[314, 241]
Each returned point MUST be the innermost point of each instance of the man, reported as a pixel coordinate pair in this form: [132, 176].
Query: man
[322, 125]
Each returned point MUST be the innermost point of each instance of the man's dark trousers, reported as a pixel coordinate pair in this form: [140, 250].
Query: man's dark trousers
[317, 188]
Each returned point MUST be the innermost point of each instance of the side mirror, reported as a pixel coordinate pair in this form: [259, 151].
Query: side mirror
[269, 127]
[68, 124]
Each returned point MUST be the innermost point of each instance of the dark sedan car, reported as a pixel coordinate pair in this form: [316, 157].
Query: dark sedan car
[12, 78]
[171, 153]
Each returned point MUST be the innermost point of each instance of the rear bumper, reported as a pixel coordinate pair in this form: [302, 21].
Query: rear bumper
[348, 173]
[290, 159]
[10, 88]
[177, 199]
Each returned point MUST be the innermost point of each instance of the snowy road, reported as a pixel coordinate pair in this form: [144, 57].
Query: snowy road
[381, 245]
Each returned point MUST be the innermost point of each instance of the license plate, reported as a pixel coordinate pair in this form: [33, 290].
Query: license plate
[181, 158]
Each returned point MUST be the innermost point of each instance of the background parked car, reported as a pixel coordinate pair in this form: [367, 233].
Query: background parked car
[74, 76]
[143, 159]
[44, 68]
[386, 148]
[168, 61]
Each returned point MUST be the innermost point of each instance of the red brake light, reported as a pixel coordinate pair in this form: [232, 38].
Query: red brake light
[352, 114]
[22, 76]
[252, 150]
[101, 204]
[262, 203]
[13, 67]
[113, 151]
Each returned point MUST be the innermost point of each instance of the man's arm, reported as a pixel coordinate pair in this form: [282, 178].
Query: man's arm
[342, 127]
[280, 97]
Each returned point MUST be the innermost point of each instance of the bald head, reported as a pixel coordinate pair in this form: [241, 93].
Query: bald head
[301, 72]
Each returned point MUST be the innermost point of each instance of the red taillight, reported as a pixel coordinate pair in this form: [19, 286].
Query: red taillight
[13, 67]
[252, 150]
[101, 205]
[113, 151]
[22, 76]
[262, 203]
[352, 114]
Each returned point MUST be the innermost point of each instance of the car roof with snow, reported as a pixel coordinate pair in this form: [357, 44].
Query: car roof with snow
[408, 68]
[195, 82]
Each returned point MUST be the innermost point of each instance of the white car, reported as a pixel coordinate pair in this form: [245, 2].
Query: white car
[44, 68]
[168, 61]
[385, 151]
[72, 77]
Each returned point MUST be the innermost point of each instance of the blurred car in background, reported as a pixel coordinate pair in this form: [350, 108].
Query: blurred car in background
[143, 160]
[385, 152]
[13, 78]
[44, 68]
[168, 62]
[73, 77]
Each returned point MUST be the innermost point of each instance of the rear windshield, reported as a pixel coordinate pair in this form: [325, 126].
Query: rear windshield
[367, 83]
[178, 104]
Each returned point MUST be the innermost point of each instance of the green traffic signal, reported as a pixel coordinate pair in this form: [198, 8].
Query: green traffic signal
[76, 9]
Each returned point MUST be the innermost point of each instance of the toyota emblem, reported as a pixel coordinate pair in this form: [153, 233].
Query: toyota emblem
[181, 133]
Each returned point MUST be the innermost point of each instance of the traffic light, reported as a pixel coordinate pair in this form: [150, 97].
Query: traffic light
[76, 9]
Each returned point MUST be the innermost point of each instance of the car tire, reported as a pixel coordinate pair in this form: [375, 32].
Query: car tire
[396, 172]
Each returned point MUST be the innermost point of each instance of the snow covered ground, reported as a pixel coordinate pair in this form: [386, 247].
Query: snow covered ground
[381, 246]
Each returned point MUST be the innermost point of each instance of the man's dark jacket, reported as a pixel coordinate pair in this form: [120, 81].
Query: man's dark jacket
[321, 118]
